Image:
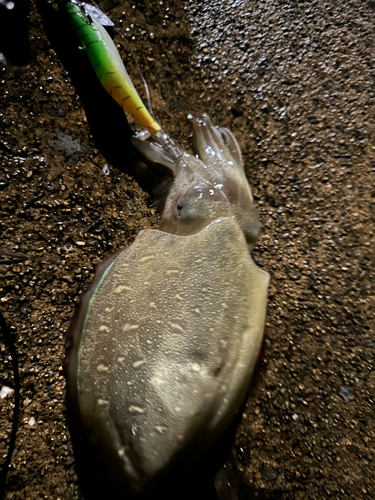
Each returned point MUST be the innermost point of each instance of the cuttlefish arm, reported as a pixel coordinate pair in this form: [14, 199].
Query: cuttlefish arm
[203, 186]
[208, 141]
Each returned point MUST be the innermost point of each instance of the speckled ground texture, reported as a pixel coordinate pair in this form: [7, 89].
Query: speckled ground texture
[294, 81]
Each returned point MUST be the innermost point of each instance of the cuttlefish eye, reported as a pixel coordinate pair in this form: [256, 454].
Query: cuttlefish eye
[179, 208]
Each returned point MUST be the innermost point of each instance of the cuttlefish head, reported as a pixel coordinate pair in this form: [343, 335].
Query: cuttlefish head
[208, 185]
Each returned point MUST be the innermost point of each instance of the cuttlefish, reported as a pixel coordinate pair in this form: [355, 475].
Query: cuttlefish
[162, 349]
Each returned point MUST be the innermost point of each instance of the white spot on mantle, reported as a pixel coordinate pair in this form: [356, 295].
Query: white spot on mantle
[121, 288]
[135, 409]
[157, 381]
[139, 363]
[102, 402]
[148, 257]
[128, 327]
[176, 326]
[172, 271]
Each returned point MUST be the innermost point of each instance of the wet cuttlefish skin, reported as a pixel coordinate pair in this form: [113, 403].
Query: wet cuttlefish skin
[161, 352]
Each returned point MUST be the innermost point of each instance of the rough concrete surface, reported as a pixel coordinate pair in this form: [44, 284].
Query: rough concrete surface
[294, 81]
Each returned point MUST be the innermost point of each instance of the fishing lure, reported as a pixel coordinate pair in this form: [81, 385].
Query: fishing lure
[107, 63]
[87, 22]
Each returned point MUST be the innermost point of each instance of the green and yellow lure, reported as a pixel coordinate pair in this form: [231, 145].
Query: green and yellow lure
[108, 65]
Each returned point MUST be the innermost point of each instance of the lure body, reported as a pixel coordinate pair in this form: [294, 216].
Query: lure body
[108, 65]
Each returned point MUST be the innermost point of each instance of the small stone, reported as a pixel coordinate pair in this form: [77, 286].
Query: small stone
[268, 472]
[327, 390]
[346, 395]
[5, 391]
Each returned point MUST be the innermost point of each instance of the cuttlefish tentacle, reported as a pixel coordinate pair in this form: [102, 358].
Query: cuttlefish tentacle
[208, 145]
[232, 146]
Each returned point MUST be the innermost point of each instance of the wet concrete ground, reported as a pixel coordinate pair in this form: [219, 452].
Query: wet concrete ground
[294, 81]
